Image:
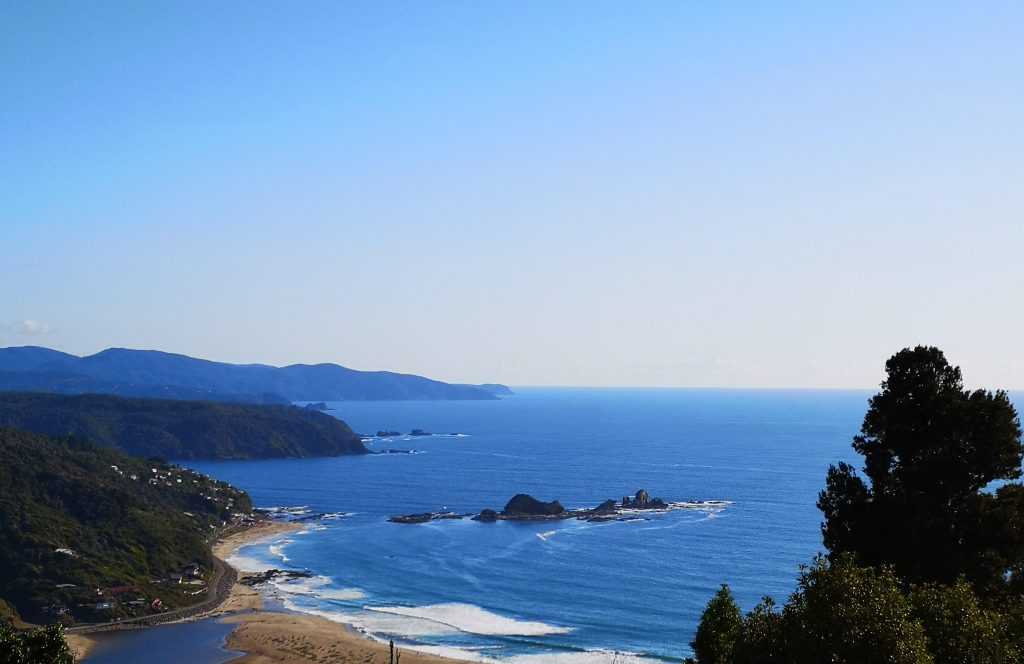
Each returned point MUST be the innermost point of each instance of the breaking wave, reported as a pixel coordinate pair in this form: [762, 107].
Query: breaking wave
[472, 620]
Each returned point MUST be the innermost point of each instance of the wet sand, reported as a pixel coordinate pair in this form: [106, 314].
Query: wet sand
[293, 638]
[81, 645]
[242, 597]
[288, 638]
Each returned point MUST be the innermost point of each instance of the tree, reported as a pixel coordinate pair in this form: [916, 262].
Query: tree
[761, 640]
[718, 630]
[959, 629]
[41, 646]
[841, 613]
[846, 614]
[930, 447]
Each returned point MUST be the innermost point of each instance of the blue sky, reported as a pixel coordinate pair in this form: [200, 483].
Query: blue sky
[599, 193]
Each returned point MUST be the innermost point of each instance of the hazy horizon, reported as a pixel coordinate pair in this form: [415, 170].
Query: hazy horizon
[653, 195]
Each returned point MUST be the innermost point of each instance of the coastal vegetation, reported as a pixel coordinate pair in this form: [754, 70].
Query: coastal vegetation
[925, 560]
[88, 533]
[38, 646]
[156, 374]
[172, 429]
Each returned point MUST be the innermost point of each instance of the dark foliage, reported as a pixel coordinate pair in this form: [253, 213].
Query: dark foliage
[41, 646]
[75, 519]
[719, 629]
[848, 614]
[926, 563]
[182, 429]
[961, 630]
[931, 448]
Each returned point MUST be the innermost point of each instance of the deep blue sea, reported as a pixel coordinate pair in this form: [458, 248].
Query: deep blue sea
[565, 591]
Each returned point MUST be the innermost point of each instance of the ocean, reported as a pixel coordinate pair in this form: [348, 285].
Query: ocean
[566, 591]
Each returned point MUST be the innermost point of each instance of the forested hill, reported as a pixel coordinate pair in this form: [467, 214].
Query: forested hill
[172, 429]
[151, 373]
[89, 533]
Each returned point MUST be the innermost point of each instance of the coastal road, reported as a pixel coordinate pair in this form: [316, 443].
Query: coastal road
[223, 578]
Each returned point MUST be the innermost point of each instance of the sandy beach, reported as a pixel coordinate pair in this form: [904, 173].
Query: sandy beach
[81, 645]
[273, 636]
[291, 638]
[242, 597]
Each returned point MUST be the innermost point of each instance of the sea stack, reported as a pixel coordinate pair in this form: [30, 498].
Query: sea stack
[526, 505]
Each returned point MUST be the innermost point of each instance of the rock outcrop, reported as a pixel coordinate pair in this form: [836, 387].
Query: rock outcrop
[526, 505]
[643, 501]
[424, 517]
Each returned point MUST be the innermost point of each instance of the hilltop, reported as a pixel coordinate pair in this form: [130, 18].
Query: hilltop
[88, 533]
[152, 373]
[182, 429]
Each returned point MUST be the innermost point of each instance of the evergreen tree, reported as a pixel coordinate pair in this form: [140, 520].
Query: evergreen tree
[930, 447]
[719, 629]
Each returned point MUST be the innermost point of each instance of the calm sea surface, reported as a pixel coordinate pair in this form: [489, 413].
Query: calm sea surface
[567, 591]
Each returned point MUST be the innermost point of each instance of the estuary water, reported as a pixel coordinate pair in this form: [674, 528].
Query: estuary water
[565, 591]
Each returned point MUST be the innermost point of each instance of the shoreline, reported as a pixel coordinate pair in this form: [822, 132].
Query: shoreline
[239, 598]
[282, 636]
[291, 637]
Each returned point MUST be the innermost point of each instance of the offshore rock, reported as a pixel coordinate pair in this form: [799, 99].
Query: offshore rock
[525, 505]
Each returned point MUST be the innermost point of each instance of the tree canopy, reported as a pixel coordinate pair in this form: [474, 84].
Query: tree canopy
[719, 629]
[931, 450]
[926, 557]
[40, 646]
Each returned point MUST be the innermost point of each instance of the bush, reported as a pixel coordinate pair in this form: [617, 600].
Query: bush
[41, 646]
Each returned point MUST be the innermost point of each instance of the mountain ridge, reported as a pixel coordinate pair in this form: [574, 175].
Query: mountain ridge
[154, 373]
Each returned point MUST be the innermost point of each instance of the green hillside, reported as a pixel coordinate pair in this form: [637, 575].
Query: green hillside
[89, 533]
[181, 429]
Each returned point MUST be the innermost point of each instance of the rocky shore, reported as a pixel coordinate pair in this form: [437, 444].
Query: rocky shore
[523, 507]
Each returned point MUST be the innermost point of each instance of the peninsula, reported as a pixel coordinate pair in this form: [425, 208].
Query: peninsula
[172, 429]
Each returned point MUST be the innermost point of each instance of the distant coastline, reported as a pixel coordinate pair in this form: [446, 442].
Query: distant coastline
[156, 374]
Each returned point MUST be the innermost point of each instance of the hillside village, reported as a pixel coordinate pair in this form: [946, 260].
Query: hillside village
[106, 536]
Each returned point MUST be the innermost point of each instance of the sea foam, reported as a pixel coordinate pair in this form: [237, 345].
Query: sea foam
[248, 564]
[472, 620]
[583, 657]
[318, 587]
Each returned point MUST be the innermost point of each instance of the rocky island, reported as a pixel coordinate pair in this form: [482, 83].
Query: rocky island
[523, 507]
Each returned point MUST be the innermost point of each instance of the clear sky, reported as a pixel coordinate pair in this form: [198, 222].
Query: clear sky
[575, 193]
